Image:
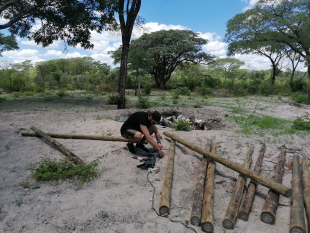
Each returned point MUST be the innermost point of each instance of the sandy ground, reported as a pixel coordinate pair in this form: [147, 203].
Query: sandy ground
[123, 191]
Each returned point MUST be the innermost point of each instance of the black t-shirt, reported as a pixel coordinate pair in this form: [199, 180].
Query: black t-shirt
[135, 120]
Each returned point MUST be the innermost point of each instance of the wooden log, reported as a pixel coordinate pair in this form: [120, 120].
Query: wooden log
[198, 193]
[268, 214]
[164, 205]
[297, 223]
[306, 187]
[278, 188]
[247, 202]
[63, 149]
[207, 214]
[235, 201]
[77, 136]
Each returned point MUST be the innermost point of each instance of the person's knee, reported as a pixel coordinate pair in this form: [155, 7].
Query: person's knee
[138, 135]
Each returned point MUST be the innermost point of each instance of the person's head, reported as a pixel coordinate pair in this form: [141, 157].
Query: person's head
[155, 117]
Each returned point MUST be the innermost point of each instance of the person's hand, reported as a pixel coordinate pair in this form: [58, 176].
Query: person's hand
[160, 154]
[160, 146]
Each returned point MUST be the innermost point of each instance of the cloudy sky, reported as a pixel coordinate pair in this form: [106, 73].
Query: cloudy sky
[206, 17]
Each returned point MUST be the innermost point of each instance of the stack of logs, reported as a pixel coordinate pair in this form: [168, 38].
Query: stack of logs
[203, 205]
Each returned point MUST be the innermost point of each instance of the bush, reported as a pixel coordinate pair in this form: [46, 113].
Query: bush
[2, 99]
[112, 99]
[143, 102]
[298, 85]
[182, 125]
[61, 93]
[184, 91]
[175, 94]
[204, 90]
[265, 88]
[29, 93]
[105, 88]
[301, 98]
[300, 124]
[146, 90]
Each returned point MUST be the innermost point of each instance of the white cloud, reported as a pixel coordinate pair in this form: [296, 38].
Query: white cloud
[210, 36]
[72, 55]
[215, 48]
[103, 58]
[23, 55]
[251, 4]
[255, 62]
[55, 44]
[3, 21]
[52, 53]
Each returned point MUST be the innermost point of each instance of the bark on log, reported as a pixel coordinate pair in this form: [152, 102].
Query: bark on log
[198, 193]
[235, 201]
[207, 215]
[278, 188]
[268, 214]
[164, 205]
[77, 136]
[63, 149]
[306, 187]
[297, 223]
[247, 202]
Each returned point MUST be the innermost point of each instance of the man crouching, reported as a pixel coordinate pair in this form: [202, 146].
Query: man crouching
[139, 127]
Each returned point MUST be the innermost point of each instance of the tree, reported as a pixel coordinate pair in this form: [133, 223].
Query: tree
[127, 11]
[227, 65]
[71, 21]
[7, 43]
[168, 49]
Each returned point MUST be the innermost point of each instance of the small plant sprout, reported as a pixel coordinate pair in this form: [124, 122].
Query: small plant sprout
[35, 186]
[186, 222]
[19, 202]
[104, 214]
[7, 147]
[157, 179]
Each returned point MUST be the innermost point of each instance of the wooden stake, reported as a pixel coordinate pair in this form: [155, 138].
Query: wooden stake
[198, 193]
[77, 136]
[164, 205]
[235, 201]
[306, 187]
[207, 215]
[247, 202]
[268, 214]
[297, 224]
[63, 149]
[278, 188]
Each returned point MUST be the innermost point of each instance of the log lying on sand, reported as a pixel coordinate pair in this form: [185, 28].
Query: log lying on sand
[235, 201]
[297, 224]
[77, 136]
[63, 149]
[198, 193]
[207, 215]
[306, 187]
[247, 202]
[164, 205]
[278, 188]
[268, 214]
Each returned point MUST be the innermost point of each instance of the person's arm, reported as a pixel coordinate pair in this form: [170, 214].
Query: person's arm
[158, 140]
[148, 137]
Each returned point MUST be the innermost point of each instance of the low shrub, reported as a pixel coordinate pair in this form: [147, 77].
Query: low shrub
[301, 98]
[62, 93]
[182, 126]
[301, 124]
[143, 102]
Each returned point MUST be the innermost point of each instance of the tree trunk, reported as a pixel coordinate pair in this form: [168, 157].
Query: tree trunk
[198, 193]
[164, 205]
[123, 74]
[306, 187]
[63, 149]
[274, 70]
[279, 188]
[272, 200]
[207, 214]
[235, 201]
[139, 84]
[247, 202]
[78, 136]
[297, 223]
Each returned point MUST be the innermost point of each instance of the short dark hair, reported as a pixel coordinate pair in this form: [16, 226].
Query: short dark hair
[156, 116]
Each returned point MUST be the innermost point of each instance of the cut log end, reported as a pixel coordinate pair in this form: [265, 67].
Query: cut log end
[195, 220]
[228, 224]
[267, 218]
[243, 216]
[289, 193]
[207, 227]
[297, 230]
[164, 210]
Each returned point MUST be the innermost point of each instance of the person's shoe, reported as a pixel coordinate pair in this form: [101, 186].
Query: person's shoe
[142, 147]
[131, 148]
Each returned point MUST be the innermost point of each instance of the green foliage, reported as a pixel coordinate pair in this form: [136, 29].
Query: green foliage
[7, 43]
[300, 124]
[146, 90]
[298, 85]
[182, 125]
[19, 202]
[62, 93]
[2, 99]
[35, 186]
[301, 98]
[184, 91]
[104, 214]
[204, 90]
[175, 94]
[24, 184]
[112, 99]
[48, 169]
[29, 93]
[143, 102]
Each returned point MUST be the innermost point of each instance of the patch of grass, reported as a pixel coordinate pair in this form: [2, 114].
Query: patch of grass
[157, 179]
[104, 214]
[24, 184]
[19, 202]
[48, 169]
[35, 186]
[182, 126]
[301, 98]
[77, 188]
[300, 124]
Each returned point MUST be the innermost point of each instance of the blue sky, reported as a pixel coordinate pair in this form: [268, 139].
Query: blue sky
[207, 17]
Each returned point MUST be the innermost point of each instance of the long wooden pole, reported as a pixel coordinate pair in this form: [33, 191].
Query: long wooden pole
[77, 136]
[306, 187]
[198, 193]
[269, 211]
[207, 215]
[63, 149]
[235, 201]
[164, 205]
[297, 223]
[247, 202]
[278, 188]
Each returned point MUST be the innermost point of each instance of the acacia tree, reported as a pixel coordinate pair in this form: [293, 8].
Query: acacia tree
[71, 21]
[168, 49]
